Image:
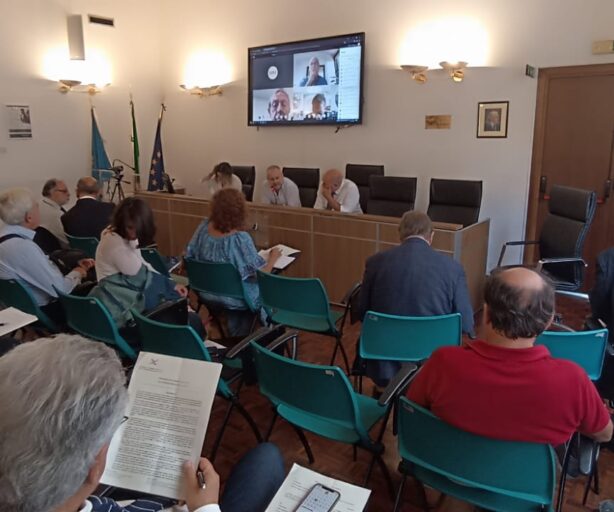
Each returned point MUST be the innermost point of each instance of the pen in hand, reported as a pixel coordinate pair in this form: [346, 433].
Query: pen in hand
[201, 479]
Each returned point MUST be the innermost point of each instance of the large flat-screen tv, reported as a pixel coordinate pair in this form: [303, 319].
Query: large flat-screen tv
[317, 81]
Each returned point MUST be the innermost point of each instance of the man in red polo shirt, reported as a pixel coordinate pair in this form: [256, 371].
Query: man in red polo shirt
[504, 387]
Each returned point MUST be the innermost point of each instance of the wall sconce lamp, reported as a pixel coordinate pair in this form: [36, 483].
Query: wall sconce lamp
[203, 92]
[418, 73]
[456, 70]
[72, 86]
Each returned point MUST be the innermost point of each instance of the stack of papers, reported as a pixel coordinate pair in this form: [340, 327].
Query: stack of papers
[286, 255]
[12, 319]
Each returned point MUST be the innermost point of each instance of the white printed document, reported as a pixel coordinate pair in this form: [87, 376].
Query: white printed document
[12, 319]
[286, 255]
[170, 401]
[299, 482]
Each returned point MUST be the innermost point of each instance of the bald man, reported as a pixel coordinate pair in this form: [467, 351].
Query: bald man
[337, 193]
[89, 216]
[277, 189]
[505, 386]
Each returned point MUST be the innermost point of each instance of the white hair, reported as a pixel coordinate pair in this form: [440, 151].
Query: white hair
[61, 400]
[15, 203]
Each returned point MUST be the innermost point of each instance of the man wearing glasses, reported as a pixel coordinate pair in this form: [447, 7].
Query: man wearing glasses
[55, 196]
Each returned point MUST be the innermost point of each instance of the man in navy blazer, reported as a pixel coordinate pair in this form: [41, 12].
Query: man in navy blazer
[89, 216]
[413, 279]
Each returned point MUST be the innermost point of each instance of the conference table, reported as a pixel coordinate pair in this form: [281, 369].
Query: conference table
[334, 246]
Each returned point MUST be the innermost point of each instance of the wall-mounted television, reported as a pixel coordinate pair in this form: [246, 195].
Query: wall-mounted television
[317, 81]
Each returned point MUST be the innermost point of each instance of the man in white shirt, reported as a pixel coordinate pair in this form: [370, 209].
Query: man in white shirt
[55, 196]
[277, 189]
[55, 437]
[337, 193]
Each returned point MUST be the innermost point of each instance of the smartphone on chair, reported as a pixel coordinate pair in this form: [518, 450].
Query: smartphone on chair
[319, 499]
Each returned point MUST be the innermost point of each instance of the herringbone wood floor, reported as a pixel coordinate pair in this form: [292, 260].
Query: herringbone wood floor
[336, 460]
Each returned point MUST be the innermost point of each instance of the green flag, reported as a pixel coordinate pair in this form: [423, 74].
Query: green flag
[135, 140]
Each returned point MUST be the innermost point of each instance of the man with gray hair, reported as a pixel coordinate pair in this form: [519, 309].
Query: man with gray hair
[62, 401]
[55, 196]
[22, 259]
[413, 279]
[89, 216]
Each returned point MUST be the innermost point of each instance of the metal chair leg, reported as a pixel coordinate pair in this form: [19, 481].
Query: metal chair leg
[387, 476]
[270, 429]
[303, 439]
[339, 345]
[249, 420]
[354, 452]
[594, 474]
[399, 498]
[218, 437]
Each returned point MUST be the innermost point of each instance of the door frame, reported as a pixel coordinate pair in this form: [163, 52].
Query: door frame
[543, 83]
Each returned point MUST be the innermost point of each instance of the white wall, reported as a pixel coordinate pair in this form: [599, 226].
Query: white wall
[200, 132]
[61, 122]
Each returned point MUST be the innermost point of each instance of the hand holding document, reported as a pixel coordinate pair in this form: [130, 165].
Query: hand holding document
[170, 401]
[299, 482]
[285, 258]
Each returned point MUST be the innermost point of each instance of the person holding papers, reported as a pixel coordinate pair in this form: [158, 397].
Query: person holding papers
[337, 193]
[278, 189]
[55, 437]
[222, 239]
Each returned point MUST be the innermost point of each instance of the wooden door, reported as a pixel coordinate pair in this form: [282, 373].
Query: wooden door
[573, 145]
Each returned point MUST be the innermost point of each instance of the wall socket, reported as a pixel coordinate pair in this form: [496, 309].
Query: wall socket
[601, 47]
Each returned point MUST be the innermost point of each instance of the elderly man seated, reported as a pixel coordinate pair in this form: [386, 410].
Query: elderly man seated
[66, 398]
[21, 258]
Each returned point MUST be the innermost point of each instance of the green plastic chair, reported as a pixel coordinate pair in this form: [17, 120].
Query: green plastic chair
[13, 293]
[89, 317]
[302, 303]
[84, 243]
[183, 341]
[320, 399]
[585, 348]
[406, 338]
[154, 258]
[496, 475]
[222, 279]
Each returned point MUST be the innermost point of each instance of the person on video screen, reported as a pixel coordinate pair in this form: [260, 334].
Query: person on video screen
[314, 77]
[279, 106]
[318, 109]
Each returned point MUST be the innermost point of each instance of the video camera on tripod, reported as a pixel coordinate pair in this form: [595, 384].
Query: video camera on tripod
[118, 177]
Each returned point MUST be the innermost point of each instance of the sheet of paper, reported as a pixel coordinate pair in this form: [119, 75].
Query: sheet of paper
[12, 319]
[285, 251]
[214, 344]
[299, 482]
[281, 263]
[170, 401]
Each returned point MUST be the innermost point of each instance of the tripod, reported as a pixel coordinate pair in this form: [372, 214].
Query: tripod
[117, 187]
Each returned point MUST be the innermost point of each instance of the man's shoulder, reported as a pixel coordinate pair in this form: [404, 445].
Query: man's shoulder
[289, 183]
[350, 184]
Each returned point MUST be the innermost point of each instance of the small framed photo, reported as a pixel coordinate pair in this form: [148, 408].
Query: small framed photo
[492, 119]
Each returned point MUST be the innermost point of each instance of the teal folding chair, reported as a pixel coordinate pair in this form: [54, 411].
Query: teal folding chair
[587, 349]
[320, 399]
[221, 279]
[183, 341]
[13, 293]
[84, 243]
[495, 475]
[154, 258]
[302, 303]
[406, 338]
[89, 317]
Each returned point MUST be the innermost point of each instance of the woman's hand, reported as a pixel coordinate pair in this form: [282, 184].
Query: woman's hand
[274, 255]
[193, 494]
[181, 290]
[86, 263]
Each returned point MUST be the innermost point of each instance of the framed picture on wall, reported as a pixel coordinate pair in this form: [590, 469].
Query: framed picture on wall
[492, 119]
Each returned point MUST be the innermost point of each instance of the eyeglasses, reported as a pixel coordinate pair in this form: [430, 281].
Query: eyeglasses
[62, 190]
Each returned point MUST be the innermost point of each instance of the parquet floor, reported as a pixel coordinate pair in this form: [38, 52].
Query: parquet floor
[336, 460]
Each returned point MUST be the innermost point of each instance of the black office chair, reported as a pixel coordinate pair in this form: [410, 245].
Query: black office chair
[360, 174]
[307, 180]
[391, 195]
[455, 201]
[570, 214]
[247, 174]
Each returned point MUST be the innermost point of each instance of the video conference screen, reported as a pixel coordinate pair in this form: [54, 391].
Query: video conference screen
[318, 81]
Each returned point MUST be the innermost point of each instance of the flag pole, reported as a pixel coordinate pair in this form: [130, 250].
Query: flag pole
[135, 148]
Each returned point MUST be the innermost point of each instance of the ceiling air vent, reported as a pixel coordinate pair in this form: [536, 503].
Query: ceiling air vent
[100, 20]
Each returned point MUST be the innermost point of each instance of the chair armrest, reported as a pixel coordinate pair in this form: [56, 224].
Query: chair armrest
[245, 342]
[514, 243]
[285, 337]
[550, 261]
[347, 303]
[398, 383]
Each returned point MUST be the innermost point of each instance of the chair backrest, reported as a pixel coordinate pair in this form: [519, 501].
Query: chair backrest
[455, 201]
[585, 348]
[154, 258]
[46, 240]
[14, 293]
[307, 180]
[84, 243]
[493, 474]
[321, 391]
[247, 174]
[221, 279]
[294, 297]
[391, 195]
[406, 338]
[359, 174]
[570, 214]
[89, 317]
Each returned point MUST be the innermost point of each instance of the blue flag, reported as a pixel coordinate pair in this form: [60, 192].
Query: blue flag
[156, 171]
[100, 160]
